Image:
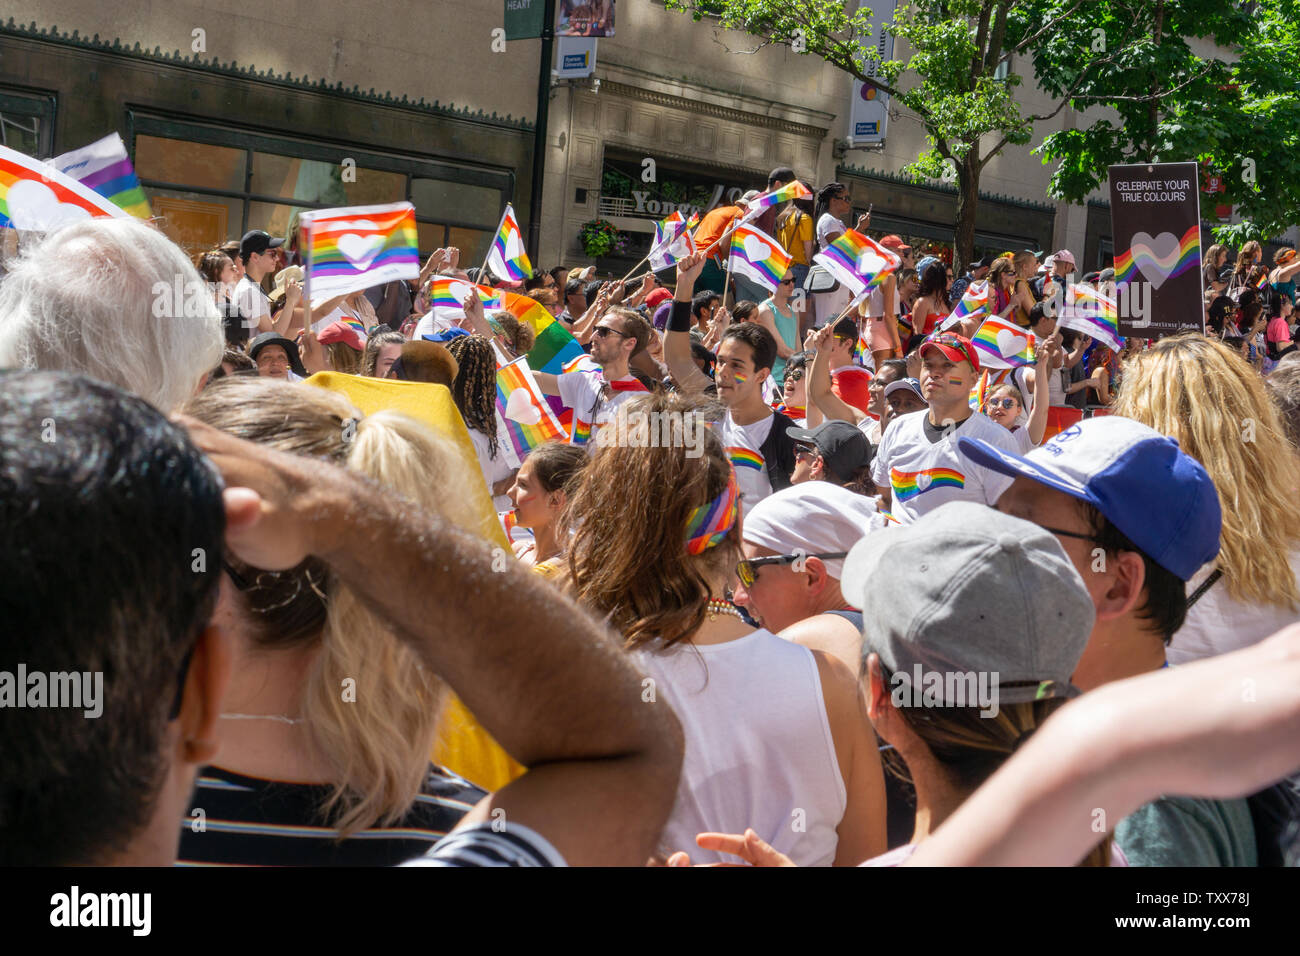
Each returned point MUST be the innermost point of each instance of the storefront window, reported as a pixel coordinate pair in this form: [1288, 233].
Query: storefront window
[190, 164]
[26, 123]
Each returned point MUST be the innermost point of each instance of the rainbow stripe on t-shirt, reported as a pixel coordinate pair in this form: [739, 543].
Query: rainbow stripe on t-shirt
[909, 484]
[581, 432]
[744, 458]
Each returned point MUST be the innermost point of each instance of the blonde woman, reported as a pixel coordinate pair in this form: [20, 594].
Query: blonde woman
[1201, 392]
[329, 718]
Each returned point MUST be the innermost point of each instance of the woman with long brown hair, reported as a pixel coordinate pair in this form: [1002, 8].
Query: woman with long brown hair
[772, 729]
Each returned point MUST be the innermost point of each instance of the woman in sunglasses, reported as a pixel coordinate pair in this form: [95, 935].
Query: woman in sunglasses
[774, 737]
[778, 316]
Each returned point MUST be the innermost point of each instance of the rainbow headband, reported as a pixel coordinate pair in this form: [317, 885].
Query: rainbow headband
[709, 523]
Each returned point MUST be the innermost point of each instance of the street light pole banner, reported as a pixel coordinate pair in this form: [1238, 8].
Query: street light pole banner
[1155, 213]
[525, 19]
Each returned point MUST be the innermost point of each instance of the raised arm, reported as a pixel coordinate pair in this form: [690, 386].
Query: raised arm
[819, 381]
[1037, 424]
[559, 695]
[677, 338]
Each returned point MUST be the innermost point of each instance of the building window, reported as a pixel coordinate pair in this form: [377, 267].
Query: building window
[209, 184]
[27, 123]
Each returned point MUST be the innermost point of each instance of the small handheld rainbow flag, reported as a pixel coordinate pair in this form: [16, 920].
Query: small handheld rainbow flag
[1088, 311]
[758, 257]
[356, 247]
[528, 420]
[507, 258]
[974, 303]
[858, 261]
[37, 197]
[554, 345]
[447, 297]
[104, 167]
[672, 242]
[1003, 344]
[791, 190]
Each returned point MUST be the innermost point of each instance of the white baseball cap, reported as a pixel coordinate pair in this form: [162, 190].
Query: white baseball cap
[812, 517]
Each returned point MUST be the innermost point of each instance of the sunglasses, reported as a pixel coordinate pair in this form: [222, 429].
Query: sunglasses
[787, 282]
[803, 451]
[747, 570]
[1001, 402]
[1072, 534]
[603, 330]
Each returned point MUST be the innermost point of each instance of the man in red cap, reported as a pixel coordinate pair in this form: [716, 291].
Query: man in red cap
[919, 465]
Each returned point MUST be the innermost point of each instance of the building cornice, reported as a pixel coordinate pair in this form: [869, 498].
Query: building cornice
[250, 72]
[904, 180]
[689, 105]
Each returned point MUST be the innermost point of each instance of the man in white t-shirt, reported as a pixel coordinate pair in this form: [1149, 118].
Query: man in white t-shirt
[755, 436]
[257, 254]
[919, 465]
[595, 396]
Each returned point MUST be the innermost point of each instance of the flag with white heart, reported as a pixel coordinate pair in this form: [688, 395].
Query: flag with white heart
[352, 248]
[858, 261]
[758, 257]
[36, 197]
[1003, 344]
[1091, 312]
[507, 258]
[524, 416]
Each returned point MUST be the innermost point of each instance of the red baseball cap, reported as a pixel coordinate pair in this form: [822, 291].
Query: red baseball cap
[957, 348]
[657, 297]
[342, 332]
[894, 242]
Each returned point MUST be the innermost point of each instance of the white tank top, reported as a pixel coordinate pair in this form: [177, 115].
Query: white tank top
[759, 751]
[876, 302]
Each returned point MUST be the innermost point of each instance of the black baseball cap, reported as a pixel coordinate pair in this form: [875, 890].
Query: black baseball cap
[257, 241]
[843, 447]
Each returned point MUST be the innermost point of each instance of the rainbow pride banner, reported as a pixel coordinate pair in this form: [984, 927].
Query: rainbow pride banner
[105, 167]
[356, 247]
[507, 258]
[1088, 311]
[1143, 257]
[791, 190]
[527, 418]
[1003, 344]
[758, 257]
[36, 197]
[858, 261]
[974, 303]
[554, 346]
[672, 242]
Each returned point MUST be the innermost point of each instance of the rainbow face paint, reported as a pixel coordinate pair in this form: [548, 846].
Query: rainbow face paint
[954, 381]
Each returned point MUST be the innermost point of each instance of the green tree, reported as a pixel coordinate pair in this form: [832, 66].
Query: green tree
[951, 79]
[1236, 112]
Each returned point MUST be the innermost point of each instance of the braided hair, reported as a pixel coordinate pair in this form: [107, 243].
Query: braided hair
[475, 387]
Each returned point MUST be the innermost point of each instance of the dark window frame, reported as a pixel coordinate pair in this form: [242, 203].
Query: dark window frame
[40, 104]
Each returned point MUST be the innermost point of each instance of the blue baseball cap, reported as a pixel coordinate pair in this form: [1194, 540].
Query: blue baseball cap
[445, 335]
[1161, 498]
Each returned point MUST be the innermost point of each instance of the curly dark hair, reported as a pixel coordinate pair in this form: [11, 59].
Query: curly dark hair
[475, 388]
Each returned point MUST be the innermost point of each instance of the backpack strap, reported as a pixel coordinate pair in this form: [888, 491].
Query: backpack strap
[778, 452]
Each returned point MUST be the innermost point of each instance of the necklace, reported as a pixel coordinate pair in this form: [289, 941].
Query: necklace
[280, 717]
[717, 607]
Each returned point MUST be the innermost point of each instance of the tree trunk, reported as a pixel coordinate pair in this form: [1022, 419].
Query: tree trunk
[968, 191]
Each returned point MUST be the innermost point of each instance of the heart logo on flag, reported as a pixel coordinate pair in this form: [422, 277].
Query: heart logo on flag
[1156, 257]
[756, 250]
[1010, 344]
[520, 408]
[922, 481]
[460, 290]
[360, 250]
[35, 206]
[870, 263]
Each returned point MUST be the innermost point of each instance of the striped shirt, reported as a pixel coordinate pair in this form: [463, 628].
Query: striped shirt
[248, 821]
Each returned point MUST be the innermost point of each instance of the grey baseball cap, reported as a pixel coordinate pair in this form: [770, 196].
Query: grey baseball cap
[966, 588]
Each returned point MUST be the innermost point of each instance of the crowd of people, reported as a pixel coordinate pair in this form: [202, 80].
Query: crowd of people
[820, 627]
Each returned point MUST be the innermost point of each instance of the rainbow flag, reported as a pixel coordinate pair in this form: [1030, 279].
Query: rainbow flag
[974, 303]
[553, 348]
[356, 247]
[37, 197]
[1178, 261]
[507, 258]
[1088, 311]
[447, 297]
[1003, 344]
[791, 190]
[909, 484]
[858, 261]
[356, 325]
[528, 420]
[105, 167]
[693, 221]
[758, 257]
[672, 242]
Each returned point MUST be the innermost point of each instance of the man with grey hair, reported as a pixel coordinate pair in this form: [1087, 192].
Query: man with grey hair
[114, 299]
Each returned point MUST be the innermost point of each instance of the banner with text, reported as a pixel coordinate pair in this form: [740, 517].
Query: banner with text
[1155, 214]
